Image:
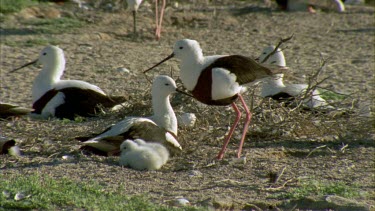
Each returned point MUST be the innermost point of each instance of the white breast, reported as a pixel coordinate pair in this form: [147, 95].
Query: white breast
[50, 108]
[192, 68]
[224, 84]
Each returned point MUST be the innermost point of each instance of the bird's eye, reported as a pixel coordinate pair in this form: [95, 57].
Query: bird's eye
[181, 47]
[167, 84]
[44, 53]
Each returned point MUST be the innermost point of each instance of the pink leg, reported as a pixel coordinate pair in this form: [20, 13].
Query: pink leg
[159, 22]
[156, 16]
[246, 126]
[226, 141]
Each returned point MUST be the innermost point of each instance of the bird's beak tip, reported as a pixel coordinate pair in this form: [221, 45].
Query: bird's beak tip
[162, 61]
[25, 65]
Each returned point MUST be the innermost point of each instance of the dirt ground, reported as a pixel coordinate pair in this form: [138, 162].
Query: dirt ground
[295, 146]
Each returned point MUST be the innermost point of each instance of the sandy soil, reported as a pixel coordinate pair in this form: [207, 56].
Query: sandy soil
[308, 147]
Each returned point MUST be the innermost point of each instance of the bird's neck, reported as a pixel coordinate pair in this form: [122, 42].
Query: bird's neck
[164, 115]
[190, 70]
[50, 75]
[272, 85]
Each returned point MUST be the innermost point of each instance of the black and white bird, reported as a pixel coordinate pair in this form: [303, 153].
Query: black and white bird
[141, 155]
[133, 5]
[8, 146]
[275, 88]
[217, 80]
[54, 97]
[311, 5]
[161, 127]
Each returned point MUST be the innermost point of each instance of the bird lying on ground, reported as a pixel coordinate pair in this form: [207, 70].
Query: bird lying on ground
[53, 97]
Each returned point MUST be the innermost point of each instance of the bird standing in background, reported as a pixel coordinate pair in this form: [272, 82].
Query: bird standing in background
[159, 20]
[133, 5]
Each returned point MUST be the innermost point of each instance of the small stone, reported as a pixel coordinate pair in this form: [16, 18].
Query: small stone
[19, 196]
[241, 160]
[187, 119]
[67, 157]
[122, 70]
[181, 202]
[195, 173]
[6, 194]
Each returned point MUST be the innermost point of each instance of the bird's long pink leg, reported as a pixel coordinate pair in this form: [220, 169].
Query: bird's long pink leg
[246, 125]
[226, 141]
[159, 22]
[156, 16]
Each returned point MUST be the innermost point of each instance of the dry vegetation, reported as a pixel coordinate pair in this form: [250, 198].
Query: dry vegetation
[287, 150]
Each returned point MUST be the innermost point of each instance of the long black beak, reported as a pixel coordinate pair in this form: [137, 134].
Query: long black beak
[25, 65]
[185, 93]
[162, 61]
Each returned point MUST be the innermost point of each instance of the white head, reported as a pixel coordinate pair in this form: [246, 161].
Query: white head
[128, 145]
[51, 56]
[52, 59]
[275, 59]
[163, 86]
[185, 49]
[164, 115]
[134, 4]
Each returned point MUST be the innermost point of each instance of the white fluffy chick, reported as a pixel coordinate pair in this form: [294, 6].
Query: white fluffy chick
[159, 148]
[140, 157]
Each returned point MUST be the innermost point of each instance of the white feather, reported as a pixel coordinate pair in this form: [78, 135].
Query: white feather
[78, 84]
[120, 127]
[224, 84]
[50, 107]
[171, 139]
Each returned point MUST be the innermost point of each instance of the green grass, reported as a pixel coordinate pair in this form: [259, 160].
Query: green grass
[54, 26]
[33, 42]
[77, 119]
[46, 193]
[320, 188]
[333, 96]
[11, 6]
